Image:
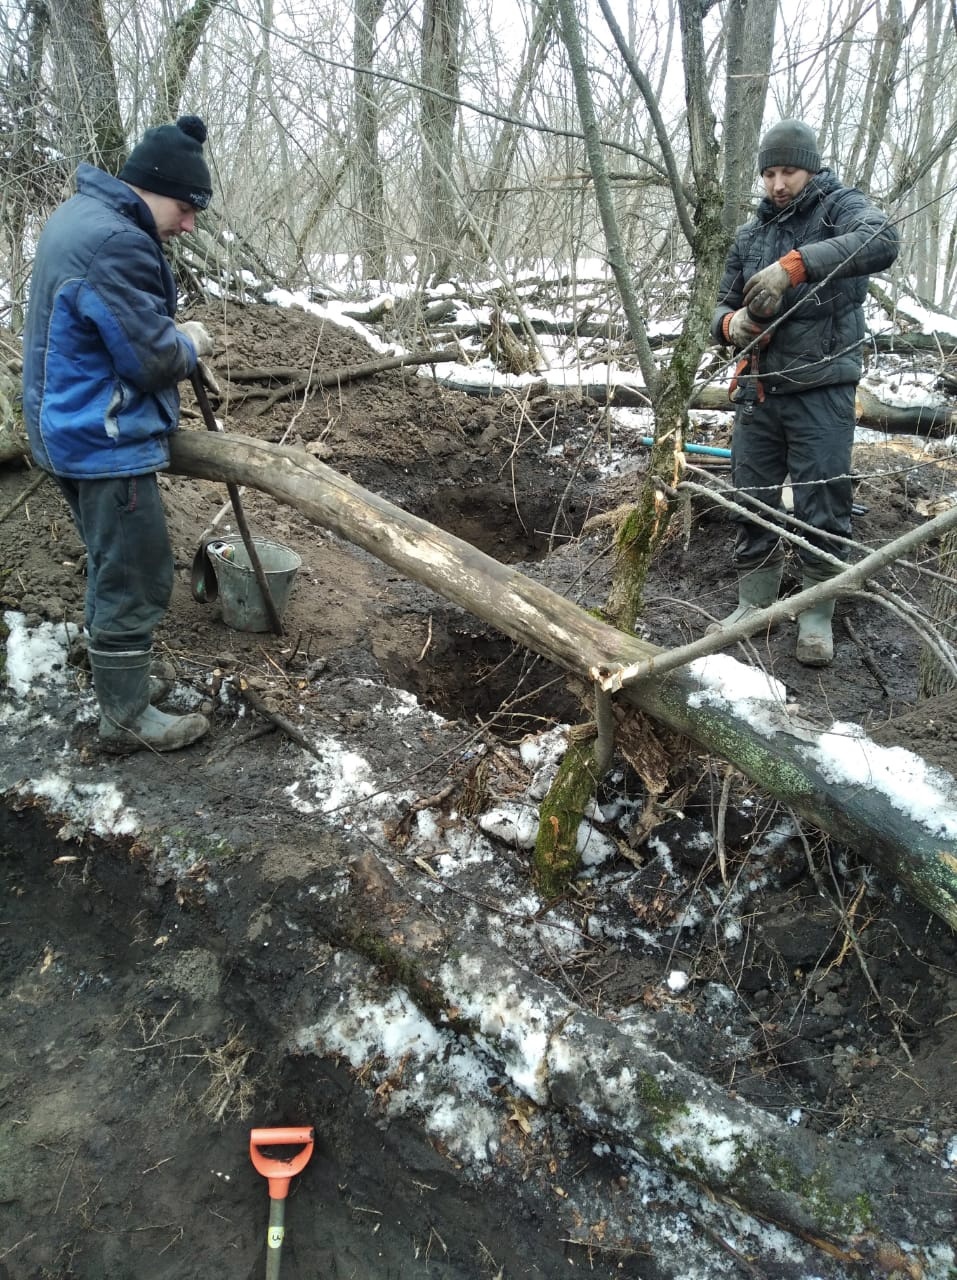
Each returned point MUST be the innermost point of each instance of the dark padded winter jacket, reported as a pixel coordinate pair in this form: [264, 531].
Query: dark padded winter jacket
[843, 238]
[101, 353]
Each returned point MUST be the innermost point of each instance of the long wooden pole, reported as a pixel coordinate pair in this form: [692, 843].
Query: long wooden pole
[790, 759]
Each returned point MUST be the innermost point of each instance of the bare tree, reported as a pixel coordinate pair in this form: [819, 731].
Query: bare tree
[492, 194]
[181, 45]
[28, 166]
[749, 38]
[438, 220]
[85, 85]
[368, 170]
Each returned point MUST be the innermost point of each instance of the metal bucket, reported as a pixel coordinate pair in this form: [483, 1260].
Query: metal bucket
[239, 594]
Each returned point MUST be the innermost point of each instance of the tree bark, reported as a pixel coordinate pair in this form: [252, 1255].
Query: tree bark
[750, 41]
[935, 679]
[488, 201]
[919, 419]
[437, 209]
[368, 170]
[782, 754]
[86, 85]
[571, 36]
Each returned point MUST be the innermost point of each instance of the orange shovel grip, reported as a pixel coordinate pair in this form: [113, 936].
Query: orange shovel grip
[278, 1170]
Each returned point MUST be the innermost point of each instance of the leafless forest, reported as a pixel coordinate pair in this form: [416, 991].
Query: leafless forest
[379, 141]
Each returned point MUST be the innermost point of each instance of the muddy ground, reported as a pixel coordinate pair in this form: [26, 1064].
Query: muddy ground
[152, 979]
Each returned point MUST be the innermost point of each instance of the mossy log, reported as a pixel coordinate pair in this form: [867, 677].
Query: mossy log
[786, 757]
[556, 857]
[613, 1082]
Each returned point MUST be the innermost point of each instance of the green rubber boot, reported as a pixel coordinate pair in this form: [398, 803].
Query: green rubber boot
[757, 589]
[162, 672]
[815, 642]
[128, 721]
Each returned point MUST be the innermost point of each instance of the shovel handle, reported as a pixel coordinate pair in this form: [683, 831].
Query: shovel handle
[275, 1235]
[281, 1170]
[202, 399]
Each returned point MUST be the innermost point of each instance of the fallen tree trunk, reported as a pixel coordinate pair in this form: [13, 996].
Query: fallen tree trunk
[613, 1082]
[915, 419]
[922, 420]
[831, 780]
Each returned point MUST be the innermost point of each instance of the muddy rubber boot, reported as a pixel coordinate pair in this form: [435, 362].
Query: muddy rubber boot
[815, 642]
[162, 679]
[757, 589]
[162, 672]
[128, 721]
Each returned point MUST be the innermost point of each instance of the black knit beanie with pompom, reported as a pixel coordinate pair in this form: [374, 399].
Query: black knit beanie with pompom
[169, 160]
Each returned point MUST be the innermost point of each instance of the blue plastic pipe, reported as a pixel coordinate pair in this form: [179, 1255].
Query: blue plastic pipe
[710, 449]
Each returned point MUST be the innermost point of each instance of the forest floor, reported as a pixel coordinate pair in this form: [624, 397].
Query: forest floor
[166, 931]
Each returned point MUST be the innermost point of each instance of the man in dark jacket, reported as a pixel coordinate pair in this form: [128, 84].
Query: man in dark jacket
[791, 303]
[102, 360]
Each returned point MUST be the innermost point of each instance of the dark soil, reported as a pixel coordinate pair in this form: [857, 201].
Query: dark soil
[152, 981]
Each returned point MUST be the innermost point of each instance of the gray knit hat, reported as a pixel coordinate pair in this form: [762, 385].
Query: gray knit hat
[790, 143]
[168, 159]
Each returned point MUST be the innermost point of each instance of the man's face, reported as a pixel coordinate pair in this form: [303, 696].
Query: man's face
[783, 183]
[172, 217]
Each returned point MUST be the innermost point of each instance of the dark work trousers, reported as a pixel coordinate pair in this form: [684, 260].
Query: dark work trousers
[808, 435]
[129, 558]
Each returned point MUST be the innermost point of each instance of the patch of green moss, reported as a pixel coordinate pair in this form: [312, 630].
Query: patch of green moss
[830, 1210]
[556, 857]
[403, 969]
[662, 1104]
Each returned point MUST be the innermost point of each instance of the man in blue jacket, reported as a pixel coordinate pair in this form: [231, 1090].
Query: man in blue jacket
[791, 303]
[102, 360]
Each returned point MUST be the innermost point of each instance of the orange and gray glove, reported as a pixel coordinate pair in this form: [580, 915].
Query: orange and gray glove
[741, 329]
[764, 292]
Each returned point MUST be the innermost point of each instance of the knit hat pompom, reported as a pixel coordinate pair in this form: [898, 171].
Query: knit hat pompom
[791, 144]
[169, 160]
[193, 126]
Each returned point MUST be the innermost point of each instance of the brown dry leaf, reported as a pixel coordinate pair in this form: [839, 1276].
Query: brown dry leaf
[520, 1111]
[931, 507]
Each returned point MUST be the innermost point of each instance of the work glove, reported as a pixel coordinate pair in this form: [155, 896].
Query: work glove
[743, 329]
[764, 291]
[198, 335]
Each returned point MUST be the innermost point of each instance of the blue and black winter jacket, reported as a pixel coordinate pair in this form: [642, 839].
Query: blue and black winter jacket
[102, 356]
[843, 238]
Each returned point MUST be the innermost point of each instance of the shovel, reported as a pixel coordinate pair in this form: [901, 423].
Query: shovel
[280, 1171]
[202, 579]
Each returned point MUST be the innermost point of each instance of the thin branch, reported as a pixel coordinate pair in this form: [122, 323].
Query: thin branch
[851, 580]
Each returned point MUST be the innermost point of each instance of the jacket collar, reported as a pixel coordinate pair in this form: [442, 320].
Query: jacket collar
[102, 186]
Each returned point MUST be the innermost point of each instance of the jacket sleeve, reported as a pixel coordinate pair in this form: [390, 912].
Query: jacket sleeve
[730, 291]
[126, 298]
[864, 241]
